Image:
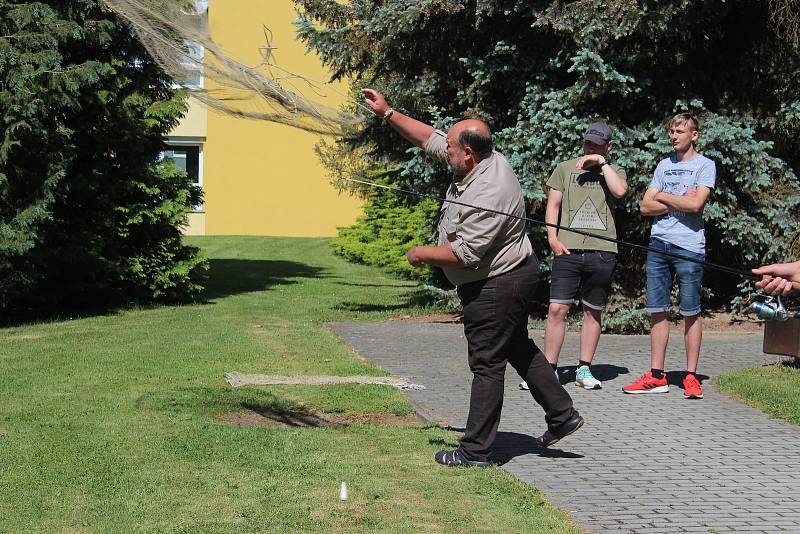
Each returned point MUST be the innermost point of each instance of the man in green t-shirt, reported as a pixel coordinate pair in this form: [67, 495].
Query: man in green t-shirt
[583, 191]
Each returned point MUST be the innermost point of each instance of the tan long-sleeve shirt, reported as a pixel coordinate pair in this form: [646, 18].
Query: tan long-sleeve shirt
[486, 243]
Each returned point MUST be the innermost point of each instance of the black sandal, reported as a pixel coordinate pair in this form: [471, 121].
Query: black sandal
[456, 458]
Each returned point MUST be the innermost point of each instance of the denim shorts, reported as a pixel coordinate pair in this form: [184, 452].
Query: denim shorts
[661, 272]
[587, 270]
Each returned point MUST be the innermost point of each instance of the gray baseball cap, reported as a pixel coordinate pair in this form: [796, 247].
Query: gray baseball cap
[598, 133]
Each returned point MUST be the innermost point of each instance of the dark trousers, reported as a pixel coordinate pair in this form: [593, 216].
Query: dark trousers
[496, 328]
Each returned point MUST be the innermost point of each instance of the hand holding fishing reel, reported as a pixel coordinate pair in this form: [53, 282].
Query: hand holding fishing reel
[770, 309]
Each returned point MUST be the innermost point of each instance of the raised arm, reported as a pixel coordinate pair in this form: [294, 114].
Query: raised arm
[415, 131]
[617, 185]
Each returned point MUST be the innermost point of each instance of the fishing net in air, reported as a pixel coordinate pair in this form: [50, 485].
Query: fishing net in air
[176, 34]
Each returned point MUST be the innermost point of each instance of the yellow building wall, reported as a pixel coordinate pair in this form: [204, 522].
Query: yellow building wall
[195, 123]
[195, 223]
[264, 178]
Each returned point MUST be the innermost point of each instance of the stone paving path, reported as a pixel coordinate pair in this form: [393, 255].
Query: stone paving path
[641, 463]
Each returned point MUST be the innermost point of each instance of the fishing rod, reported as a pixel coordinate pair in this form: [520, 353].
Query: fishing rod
[710, 265]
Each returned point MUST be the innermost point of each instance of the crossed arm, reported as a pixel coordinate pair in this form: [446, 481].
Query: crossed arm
[657, 202]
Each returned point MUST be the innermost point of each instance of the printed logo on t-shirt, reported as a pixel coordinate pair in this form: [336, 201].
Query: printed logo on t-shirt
[679, 172]
[588, 217]
[587, 180]
[678, 187]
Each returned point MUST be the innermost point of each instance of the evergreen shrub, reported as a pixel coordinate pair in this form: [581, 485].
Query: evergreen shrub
[88, 215]
[386, 230]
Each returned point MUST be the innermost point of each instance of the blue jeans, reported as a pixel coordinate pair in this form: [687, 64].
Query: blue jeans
[661, 271]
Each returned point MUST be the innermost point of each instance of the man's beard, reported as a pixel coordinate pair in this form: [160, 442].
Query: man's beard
[458, 171]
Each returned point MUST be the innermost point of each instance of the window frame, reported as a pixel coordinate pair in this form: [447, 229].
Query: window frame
[178, 142]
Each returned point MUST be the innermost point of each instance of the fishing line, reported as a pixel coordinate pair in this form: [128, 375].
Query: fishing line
[710, 265]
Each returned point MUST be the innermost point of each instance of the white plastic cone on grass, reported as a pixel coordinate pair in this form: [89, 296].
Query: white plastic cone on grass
[343, 491]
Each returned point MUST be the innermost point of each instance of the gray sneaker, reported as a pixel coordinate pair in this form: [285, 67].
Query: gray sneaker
[585, 379]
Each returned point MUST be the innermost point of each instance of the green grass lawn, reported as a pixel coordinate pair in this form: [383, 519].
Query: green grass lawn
[772, 389]
[110, 423]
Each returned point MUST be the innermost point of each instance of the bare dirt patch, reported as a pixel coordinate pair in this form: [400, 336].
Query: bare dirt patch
[310, 419]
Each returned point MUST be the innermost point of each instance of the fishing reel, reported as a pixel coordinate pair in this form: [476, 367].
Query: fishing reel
[771, 309]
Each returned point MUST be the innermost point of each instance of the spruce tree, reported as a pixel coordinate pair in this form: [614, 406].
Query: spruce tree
[88, 215]
[539, 72]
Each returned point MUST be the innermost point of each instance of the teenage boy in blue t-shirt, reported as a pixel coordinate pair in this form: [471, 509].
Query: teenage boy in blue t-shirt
[681, 185]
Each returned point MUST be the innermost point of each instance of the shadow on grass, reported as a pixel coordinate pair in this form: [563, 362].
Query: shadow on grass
[286, 416]
[233, 276]
[208, 401]
[444, 443]
[225, 277]
[255, 407]
[417, 299]
[406, 285]
[23, 316]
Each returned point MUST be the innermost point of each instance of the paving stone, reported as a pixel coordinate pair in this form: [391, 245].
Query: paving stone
[641, 462]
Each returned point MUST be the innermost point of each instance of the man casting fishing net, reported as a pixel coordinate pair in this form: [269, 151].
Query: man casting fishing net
[490, 260]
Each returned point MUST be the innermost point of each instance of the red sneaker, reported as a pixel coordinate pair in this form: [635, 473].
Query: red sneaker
[691, 387]
[648, 384]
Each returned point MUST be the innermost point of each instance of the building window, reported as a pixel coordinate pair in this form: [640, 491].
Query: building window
[195, 54]
[188, 157]
[193, 65]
